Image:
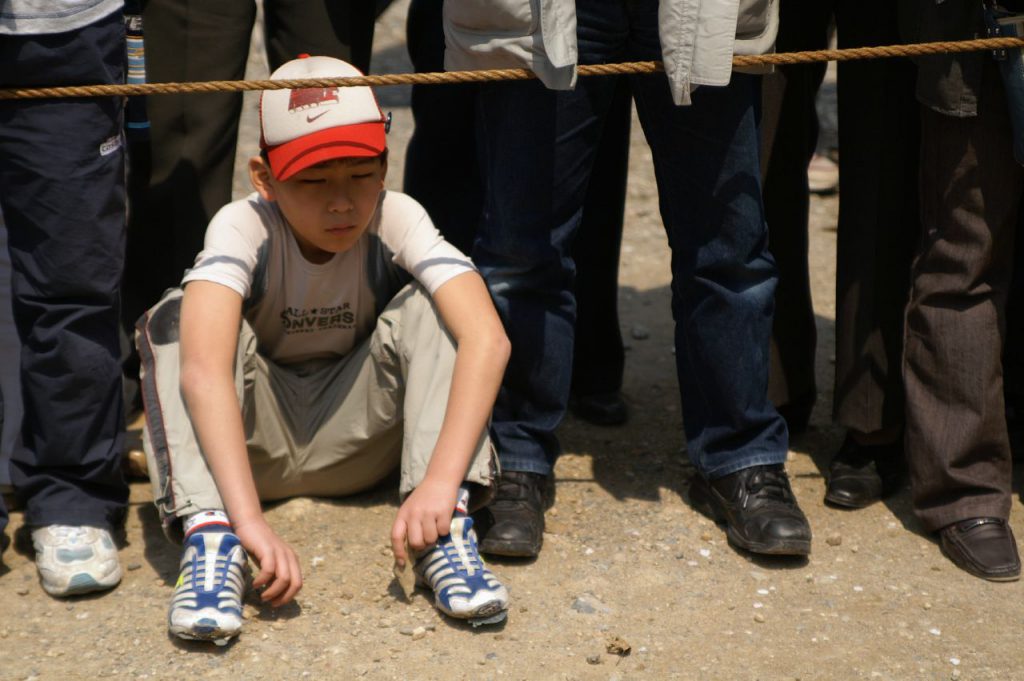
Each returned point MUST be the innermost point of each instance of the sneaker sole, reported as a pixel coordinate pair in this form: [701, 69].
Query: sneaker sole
[783, 547]
[204, 632]
[83, 583]
[487, 613]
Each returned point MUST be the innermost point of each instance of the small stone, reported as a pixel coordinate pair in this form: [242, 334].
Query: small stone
[927, 605]
[758, 575]
[954, 661]
[759, 618]
[277, 626]
[618, 646]
[132, 567]
[582, 606]
[705, 536]
[317, 561]
[418, 633]
[594, 659]
[639, 332]
[935, 631]
[21, 591]
[955, 674]
[249, 611]
[706, 553]
[347, 595]
[834, 539]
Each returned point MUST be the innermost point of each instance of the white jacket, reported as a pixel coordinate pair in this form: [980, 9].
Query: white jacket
[698, 38]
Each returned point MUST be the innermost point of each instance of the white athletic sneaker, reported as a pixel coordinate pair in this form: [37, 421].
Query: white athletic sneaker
[207, 601]
[463, 586]
[75, 560]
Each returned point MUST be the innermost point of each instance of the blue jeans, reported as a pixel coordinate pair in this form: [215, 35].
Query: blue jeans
[537, 154]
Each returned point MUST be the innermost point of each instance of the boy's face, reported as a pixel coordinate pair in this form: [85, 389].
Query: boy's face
[329, 205]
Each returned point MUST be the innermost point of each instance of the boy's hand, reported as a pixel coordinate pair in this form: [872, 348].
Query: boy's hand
[279, 566]
[425, 516]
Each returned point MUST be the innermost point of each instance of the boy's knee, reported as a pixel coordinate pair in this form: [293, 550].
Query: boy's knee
[162, 323]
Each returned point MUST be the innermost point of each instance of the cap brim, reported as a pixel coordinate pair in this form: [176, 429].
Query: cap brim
[358, 140]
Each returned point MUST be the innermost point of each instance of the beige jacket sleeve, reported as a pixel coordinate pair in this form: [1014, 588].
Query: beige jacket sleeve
[539, 35]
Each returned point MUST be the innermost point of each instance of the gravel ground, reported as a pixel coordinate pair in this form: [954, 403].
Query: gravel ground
[632, 583]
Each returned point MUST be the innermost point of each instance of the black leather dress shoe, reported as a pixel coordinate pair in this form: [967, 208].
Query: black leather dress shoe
[860, 475]
[759, 510]
[985, 547]
[601, 409]
[513, 524]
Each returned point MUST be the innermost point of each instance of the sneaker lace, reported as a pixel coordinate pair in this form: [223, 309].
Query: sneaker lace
[465, 556]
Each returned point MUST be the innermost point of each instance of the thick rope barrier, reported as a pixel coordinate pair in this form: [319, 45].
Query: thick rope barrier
[448, 77]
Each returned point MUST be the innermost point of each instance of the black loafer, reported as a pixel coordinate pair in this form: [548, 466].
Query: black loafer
[513, 524]
[758, 508]
[860, 475]
[984, 547]
[601, 409]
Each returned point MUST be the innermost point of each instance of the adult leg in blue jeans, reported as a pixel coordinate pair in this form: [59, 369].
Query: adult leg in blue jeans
[522, 250]
[707, 169]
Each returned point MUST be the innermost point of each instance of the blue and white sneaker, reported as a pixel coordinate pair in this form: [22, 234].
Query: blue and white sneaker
[75, 560]
[463, 586]
[207, 601]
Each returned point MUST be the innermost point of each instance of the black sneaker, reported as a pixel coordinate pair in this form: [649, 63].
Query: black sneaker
[758, 508]
[513, 524]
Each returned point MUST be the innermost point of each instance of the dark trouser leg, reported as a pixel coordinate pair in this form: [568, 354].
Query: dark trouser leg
[192, 138]
[598, 356]
[331, 28]
[62, 195]
[522, 250]
[878, 221]
[790, 143]
[723, 278]
[956, 437]
[441, 168]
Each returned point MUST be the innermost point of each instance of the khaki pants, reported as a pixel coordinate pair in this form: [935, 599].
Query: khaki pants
[319, 428]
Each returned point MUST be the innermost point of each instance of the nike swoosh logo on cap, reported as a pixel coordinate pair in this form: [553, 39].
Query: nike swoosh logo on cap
[310, 119]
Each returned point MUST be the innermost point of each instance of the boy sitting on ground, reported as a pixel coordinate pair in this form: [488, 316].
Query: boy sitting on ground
[297, 361]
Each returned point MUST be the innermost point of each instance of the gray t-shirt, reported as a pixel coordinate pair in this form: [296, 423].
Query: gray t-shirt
[300, 310]
[37, 17]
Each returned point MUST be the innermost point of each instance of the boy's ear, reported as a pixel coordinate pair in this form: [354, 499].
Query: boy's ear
[261, 178]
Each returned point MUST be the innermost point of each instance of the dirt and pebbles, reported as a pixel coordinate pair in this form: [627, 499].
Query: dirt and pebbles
[632, 583]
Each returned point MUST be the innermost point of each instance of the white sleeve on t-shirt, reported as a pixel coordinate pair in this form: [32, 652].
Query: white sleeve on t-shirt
[419, 249]
[231, 248]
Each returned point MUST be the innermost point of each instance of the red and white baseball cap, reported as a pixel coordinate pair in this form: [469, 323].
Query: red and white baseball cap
[300, 128]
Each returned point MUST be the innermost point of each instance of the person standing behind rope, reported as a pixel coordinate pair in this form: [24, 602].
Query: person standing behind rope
[62, 196]
[958, 449]
[193, 136]
[537, 153]
[441, 173]
[877, 228]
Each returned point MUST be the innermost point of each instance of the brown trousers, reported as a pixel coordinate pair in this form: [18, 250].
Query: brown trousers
[956, 439]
